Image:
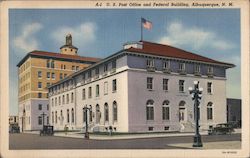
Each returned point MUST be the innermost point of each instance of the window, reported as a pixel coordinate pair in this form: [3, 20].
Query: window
[90, 114]
[67, 115]
[150, 128]
[114, 111]
[39, 95]
[210, 70]
[90, 92]
[59, 100]
[77, 68]
[47, 120]
[84, 115]
[197, 69]
[53, 75]
[52, 64]
[209, 87]
[165, 110]
[181, 85]
[165, 84]
[181, 66]
[97, 71]
[105, 68]
[48, 74]
[40, 106]
[40, 121]
[97, 90]
[210, 111]
[114, 85]
[52, 117]
[61, 66]
[39, 84]
[56, 117]
[150, 63]
[83, 94]
[89, 74]
[64, 67]
[113, 64]
[56, 101]
[105, 88]
[150, 110]
[166, 65]
[39, 74]
[63, 99]
[73, 67]
[61, 76]
[48, 64]
[52, 100]
[106, 112]
[72, 115]
[48, 84]
[72, 97]
[67, 98]
[47, 106]
[65, 75]
[149, 83]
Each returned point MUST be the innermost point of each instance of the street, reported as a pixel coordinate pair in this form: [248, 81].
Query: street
[34, 141]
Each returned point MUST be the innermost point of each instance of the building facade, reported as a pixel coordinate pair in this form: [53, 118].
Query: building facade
[143, 87]
[36, 71]
[234, 111]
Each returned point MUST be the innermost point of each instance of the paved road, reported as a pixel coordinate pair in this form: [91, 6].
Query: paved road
[34, 141]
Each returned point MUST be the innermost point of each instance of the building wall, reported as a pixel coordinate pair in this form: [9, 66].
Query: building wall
[132, 94]
[138, 96]
[29, 90]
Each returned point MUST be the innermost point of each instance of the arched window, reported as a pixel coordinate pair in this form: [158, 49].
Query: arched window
[114, 111]
[165, 110]
[210, 111]
[150, 110]
[182, 103]
[56, 117]
[72, 115]
[106, 112]
[90, 113]
[98, 114]
[68, 115]
[52, 117]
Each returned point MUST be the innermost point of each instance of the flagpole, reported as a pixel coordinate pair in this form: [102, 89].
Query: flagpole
[141, 30]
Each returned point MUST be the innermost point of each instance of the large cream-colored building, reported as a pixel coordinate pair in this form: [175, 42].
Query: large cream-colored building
[36, 71]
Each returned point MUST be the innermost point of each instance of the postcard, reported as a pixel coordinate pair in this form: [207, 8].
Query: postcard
[124, 79]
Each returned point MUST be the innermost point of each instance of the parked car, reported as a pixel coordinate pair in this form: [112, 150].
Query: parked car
[47, 130]
[223, 128]
[14, 129]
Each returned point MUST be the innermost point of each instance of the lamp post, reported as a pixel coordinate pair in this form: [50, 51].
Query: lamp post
[86, 121]
[43, 114]
[196, 96]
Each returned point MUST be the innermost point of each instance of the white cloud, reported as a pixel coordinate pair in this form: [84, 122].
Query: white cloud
[82, 35]
[180, 35]
[26, 40]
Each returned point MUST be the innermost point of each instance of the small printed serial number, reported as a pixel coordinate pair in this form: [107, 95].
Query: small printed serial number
[229, 152]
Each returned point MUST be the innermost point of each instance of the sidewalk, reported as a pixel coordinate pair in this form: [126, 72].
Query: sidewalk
[211, 145]
[123, 136]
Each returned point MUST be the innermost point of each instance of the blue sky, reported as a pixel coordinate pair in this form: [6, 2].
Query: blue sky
[214, 33]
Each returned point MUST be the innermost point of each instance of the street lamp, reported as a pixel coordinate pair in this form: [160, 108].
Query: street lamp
[86, 120]
[43, 114]
[196, 96]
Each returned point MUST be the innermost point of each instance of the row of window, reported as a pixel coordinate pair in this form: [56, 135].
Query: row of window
[24, 77]
[40, 107]
[166, 110]
[61, 99]
[182, 66]
[24, 87]
[55, 117]
[165, 85]
[24, 67]
[51, 64]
